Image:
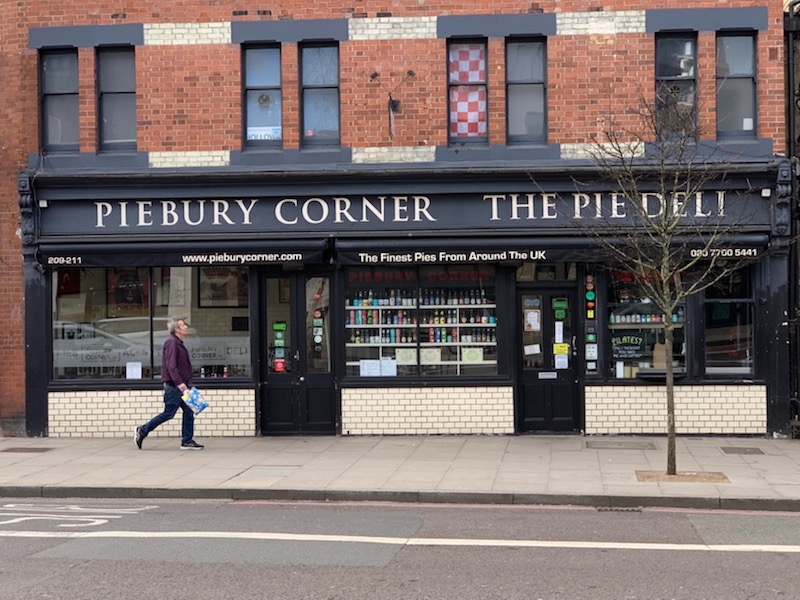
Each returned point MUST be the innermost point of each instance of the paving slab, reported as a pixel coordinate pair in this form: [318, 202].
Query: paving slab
[762, 473]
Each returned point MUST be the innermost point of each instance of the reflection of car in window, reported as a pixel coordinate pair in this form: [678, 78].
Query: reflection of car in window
[136, 329]
[81, 349]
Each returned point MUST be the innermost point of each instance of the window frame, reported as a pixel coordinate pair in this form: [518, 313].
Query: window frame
[102, 92]
[526, 138]
[46, 94]
[306, 140]
[452, 138]
[752, 77]
[748, 273]
[247, 89]
[662, 82]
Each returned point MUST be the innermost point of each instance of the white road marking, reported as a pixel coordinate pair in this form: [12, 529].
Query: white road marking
[73, 514]
[403, 541]
[75, 508]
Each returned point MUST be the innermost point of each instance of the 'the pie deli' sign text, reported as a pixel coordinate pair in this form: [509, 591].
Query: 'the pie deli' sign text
[345, 214]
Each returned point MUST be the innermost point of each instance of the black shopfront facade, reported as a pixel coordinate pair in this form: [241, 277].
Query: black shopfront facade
[409, 302]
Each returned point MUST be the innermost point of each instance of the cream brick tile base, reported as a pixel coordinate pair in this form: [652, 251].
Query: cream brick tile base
[100, 414]
[419, 411]
[699, 409]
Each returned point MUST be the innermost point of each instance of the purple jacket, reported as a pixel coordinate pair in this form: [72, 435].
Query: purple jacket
[176, 368]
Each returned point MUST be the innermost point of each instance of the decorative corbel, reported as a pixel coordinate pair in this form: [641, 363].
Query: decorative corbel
[27, 223]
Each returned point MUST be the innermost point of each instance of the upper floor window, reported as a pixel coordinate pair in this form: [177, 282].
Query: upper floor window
[263, 101]
[116, 106]
[59, 89]
[525, 91]
[676, 84]
[319, 94]
[736, 85]
[467, 91]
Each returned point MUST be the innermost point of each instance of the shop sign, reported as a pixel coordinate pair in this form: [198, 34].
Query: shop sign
[520, 212]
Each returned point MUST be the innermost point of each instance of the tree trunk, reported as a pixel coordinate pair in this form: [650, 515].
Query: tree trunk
[670, 389]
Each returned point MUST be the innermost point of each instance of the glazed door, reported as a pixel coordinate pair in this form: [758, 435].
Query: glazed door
[547, 390]
[297, 390]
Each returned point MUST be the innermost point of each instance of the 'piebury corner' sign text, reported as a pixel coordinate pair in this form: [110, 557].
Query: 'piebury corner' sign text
[340, 214]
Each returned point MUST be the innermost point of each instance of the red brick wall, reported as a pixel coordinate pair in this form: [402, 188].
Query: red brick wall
[189, 96]
[18, 125]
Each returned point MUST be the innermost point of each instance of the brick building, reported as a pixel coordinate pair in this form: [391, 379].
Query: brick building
[372, 215]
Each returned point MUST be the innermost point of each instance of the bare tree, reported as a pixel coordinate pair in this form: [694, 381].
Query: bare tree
[672, 247]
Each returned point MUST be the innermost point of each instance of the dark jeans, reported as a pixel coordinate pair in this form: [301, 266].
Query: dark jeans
[172, 402]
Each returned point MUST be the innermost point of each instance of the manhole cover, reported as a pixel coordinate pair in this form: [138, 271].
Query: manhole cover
[32, 450]
[737, 450]
[620, 445]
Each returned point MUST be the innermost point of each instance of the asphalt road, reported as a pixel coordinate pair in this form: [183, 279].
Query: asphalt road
[92, 549]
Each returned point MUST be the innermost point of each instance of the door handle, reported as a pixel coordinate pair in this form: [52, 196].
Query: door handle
[574, 345]
[301, 379]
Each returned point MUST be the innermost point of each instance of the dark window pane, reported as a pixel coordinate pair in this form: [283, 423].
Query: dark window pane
[675, 106]
[60, 120]
[60, 73]
[525, 62]
[735, 286]
[321, 114]
[729, 337]
[675, 57]
[263, 67]
[119, 118]
[735, 56]
[264, 115]
[526, 110]
[117, 71]
[320, 66]
[736, 105]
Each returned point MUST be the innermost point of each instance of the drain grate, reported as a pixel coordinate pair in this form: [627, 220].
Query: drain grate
[620, 445]
[30, 450]
[741, 450]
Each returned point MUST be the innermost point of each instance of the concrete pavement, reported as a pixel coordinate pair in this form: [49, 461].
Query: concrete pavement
[716, 472]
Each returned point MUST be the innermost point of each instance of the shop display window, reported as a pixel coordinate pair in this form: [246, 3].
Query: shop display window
[429, 321]
[112, 323]
[636, 331]
[729, 310]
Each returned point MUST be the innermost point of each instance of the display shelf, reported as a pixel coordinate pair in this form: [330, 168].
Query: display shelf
[642, 325]
[459, 324]
[640, 314]
[381, 345]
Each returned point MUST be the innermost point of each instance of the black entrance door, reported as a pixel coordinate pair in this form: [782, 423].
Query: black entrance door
[297, 388]
[547, 391]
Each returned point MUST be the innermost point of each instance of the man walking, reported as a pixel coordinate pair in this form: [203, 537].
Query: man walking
[176, 375]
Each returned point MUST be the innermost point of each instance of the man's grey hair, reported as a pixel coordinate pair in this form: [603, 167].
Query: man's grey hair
[173, 323]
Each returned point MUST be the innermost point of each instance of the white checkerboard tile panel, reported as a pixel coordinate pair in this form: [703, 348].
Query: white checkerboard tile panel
[467, 63]
[468, 102]
[468, 111]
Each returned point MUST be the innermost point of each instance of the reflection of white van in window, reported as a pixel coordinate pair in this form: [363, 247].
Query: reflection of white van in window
[211, 355]
[135, 328]
[83, 350]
